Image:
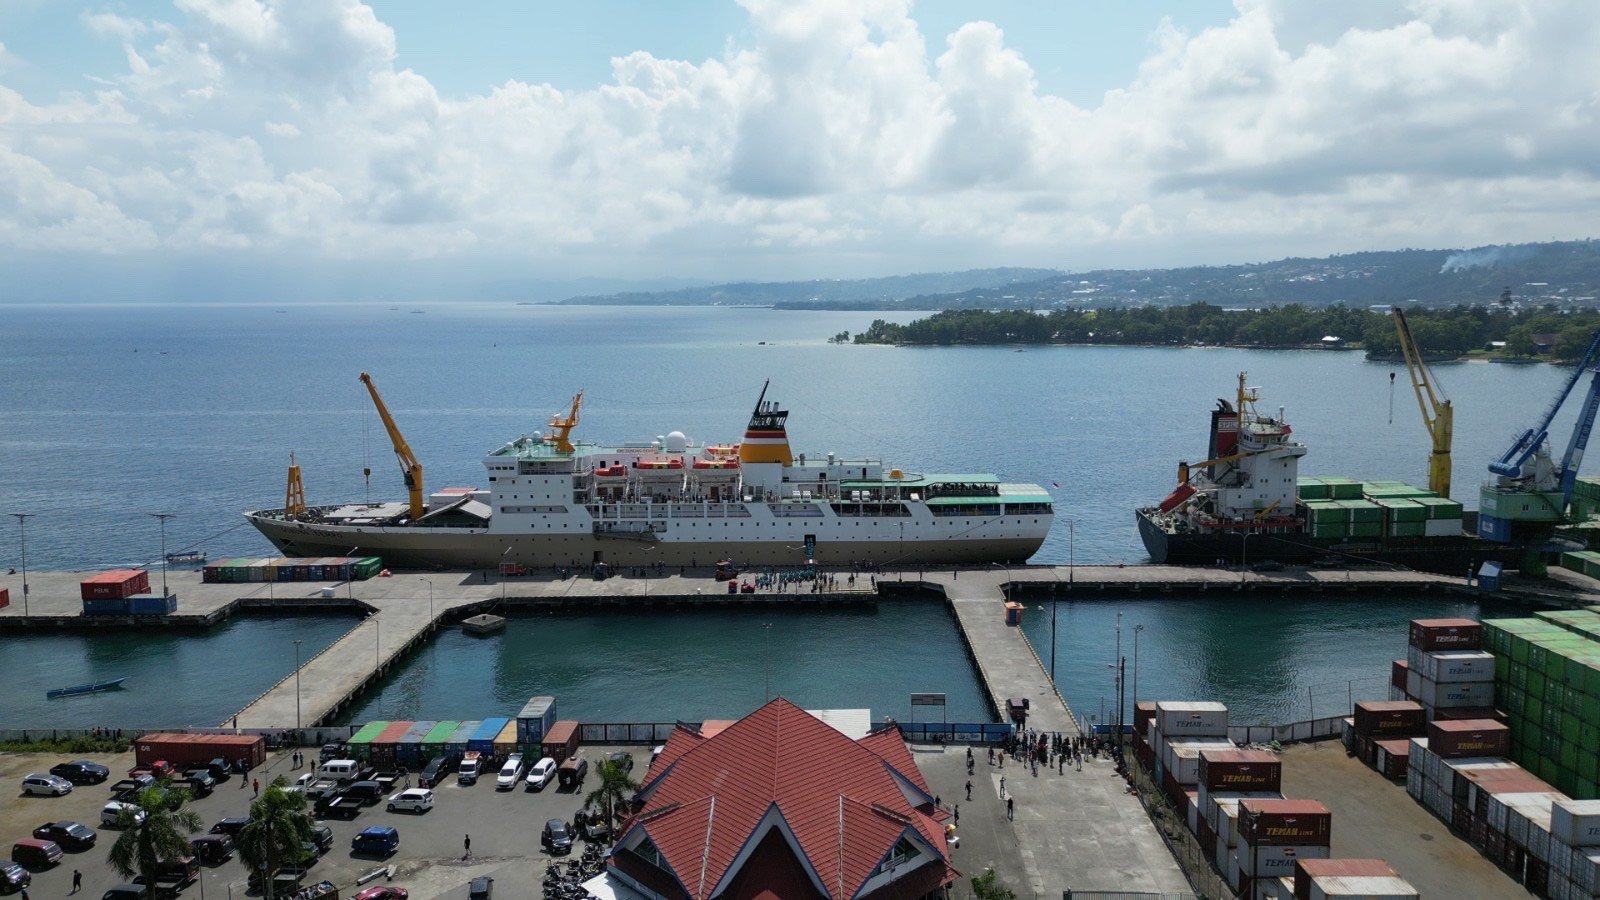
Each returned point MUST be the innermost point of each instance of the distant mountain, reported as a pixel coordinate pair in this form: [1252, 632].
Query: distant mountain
[1560, 272]
[863, 293]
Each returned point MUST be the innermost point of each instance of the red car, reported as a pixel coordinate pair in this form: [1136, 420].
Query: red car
[383, 893]
[158, 769]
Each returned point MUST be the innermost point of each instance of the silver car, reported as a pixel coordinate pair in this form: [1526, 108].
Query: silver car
[48, 785]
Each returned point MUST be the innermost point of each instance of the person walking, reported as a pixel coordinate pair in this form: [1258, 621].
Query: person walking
[256, 784]
[466, 847]
[77, 881]
[1002, 787]
[956, 813]
[1011, 813]
[969, 788]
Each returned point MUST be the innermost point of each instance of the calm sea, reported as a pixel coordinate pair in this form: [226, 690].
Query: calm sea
[113, 412]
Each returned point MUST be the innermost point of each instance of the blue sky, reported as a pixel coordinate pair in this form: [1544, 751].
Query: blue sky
[181, 143]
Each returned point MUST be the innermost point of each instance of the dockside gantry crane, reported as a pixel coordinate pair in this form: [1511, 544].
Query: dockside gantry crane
[410, 468]
[1438, 416]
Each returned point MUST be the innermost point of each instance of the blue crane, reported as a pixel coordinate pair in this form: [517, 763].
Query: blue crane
[1533, 443]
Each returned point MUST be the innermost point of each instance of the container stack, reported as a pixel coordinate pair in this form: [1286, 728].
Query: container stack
[1228, 778]
[360, 743]
[1177, 734]
[1273, 835]
[1547, 680]
[1446, 670]
[1336, 879]
[332, 568]
[187, 750]
[1343, 507]
[535, 719]
[1379, 732]
[107, 593]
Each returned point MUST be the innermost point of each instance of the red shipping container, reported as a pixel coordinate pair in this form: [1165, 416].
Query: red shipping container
[1143, 712]
[186, 750]
[1453, 739]
[1285, 823]
[1446, 634]
[1240, 770]
[5, 597]
[1307, 869]
[1392, 718]
[1394, 758]
[118, 584]
[1472, 712]
[1397, 673]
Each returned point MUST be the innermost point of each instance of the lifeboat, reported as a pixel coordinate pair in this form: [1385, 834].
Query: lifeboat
[617, 471]
[659, 464]
[720, 464]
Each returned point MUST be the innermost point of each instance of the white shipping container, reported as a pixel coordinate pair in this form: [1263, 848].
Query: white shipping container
[1441, 527]
[1451, 665]
[1224, 819]
[1221, 858]
[1539, 839]
[1397, 694]
[1414, 779]
[1586, 870]
[1560, 859]
[1191, 719]
[1452, 694]
[1576, 823]
[1534, 805]
[1193, 815]
[1364, 887]
[1231, 873]
[1413, 684]
[1182, 757]
[1276, 862]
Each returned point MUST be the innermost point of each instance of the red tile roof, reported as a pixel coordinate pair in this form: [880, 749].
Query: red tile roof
[839, 798]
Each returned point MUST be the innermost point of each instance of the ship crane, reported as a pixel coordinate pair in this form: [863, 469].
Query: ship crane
[1527, 466]
[410, 468]
[561, 427]
[1438, 416]
[294, 494]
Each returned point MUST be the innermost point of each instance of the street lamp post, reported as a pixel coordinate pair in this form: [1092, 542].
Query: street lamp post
[163, 517]
[1119, 678]
[350, 582]
[503, 576]
[430, 599]
[1072, 552]
[22, 527]
[297, 687]
[1244, 559]
[1136, 630]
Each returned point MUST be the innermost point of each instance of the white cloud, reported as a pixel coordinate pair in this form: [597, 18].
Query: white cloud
[838, 131]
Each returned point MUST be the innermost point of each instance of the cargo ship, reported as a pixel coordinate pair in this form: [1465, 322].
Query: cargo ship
[1246, 504]
[551, 501]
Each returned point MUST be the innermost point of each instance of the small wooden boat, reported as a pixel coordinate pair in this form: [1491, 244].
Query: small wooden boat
[92, 688]
[483, 624]
[187, 557]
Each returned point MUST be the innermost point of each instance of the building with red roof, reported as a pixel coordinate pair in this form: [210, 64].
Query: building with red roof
[782, 805]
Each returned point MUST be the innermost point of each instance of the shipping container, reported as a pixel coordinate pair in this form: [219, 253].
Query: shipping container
[360, 743]
[1389, 719]
[1342, 488]
[483, 739]
[1446, 634]
[1576, 823]
[408, 747]
[1144, 712]
[561, 741]
[535, 719]
[457, 742]
[188, 750]
[1181, 757]
[1285, 823]
[1276, 860]
[1441, 508]
[1392, 758]
[433, 743]
[1240, 770]
[1494, 528]
[1402, 510]
[1397, 673]
[1468, 738]
[505, 743]
[152, 605]
[1184, 719]
[1220, 811]
[1442, 528]
[1438, 695]
[117, 584]
[1452, 665]
[385, 747]
[1307, 488]
[1336, 879]
[105, 607]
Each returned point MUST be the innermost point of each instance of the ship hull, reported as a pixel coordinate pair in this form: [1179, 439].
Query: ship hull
[1452, 555]
[480, 548]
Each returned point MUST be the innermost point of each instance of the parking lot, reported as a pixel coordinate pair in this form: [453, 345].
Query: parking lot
[504, 827]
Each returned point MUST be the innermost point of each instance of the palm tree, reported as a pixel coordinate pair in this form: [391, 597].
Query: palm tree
[988, 887]
[612, 791]
[278, 831]
[155, 829]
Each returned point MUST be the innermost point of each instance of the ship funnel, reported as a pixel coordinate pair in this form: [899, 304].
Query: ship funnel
[765, 439]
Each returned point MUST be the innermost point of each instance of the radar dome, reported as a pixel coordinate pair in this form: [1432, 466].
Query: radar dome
[677, 441]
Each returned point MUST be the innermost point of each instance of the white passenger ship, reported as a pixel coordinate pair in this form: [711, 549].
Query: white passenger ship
[551, 501]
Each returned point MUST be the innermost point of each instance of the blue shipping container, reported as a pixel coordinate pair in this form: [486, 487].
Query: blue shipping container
[152, 605]
[408, 749]
[482, 740]
[1494, 528]
[534, 720]
[458, 741]
[105, 607]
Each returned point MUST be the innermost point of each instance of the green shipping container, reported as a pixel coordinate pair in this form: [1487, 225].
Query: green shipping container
[1333, 530]
[1322, 512]
[433, 742]
[1363, 511]
[1588, 486]
[1407, 529]
[366, 567]
[1313, 489]
[1439, 507]
[1341, 488]
[1403, 510]
[361, 742]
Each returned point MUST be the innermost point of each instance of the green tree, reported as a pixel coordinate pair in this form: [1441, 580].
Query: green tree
[155, 828]
[612, 791]
[988, 887]
[278, 831]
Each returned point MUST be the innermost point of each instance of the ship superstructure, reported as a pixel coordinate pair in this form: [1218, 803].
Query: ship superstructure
[551, 501]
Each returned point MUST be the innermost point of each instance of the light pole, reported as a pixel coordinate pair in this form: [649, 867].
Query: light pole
[503, 576]
[1119, 678]
[430, 599]
[297, 687]
[1244, 559]
[1052, 638]
[1136, 630]
[350, 582]
[163, 517]
[22, 527]
[1072, 552]
[377, 640]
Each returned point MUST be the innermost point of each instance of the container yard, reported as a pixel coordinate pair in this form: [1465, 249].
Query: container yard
[283, 569]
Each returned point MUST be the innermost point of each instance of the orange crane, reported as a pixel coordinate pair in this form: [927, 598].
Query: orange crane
[410, 468]
[561, 427]
[1437, 414]
[294, 495]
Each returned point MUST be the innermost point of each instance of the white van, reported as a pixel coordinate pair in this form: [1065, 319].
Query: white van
[341, 769]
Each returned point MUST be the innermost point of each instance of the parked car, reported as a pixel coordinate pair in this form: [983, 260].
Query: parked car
[414, 799]
[541, 773]
[438, 769]
[81, 771]
[34, 854]
[621, 758]
[70, 835]
[469, 770]
[510, 773]
[13, 878]
[220, 769]
[212, 849]
[124, 892]
[572, 772]
[111, 814]
[128, 787]
[480, 888]
[592, 823]
[383, 892]
[380, 840]
[158, 769]
[365, 792]
[330, 751]
[198, 783]
[336, 806]
[230, 826]
[556, 838]
[322, 836]
[47, 785]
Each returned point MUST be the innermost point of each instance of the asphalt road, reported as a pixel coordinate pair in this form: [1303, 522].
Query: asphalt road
[504, 827]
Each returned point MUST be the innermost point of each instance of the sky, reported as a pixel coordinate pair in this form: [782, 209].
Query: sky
[185, 149]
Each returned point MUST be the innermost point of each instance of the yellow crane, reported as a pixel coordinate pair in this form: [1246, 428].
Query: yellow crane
[294, 495]
[409, 467]
[1437, 414]
[561, 427]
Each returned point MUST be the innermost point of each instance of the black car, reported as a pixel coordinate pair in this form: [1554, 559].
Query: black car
[625, 760]
[230, 826]
[212, 849]
[480, 888]
[331, 751]
[219, 769]
[70, 835]
[438, 768]
[13, 877]
[129, 787]
[81, 771]
[198, 783]
[556, 837]
[322, 836]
